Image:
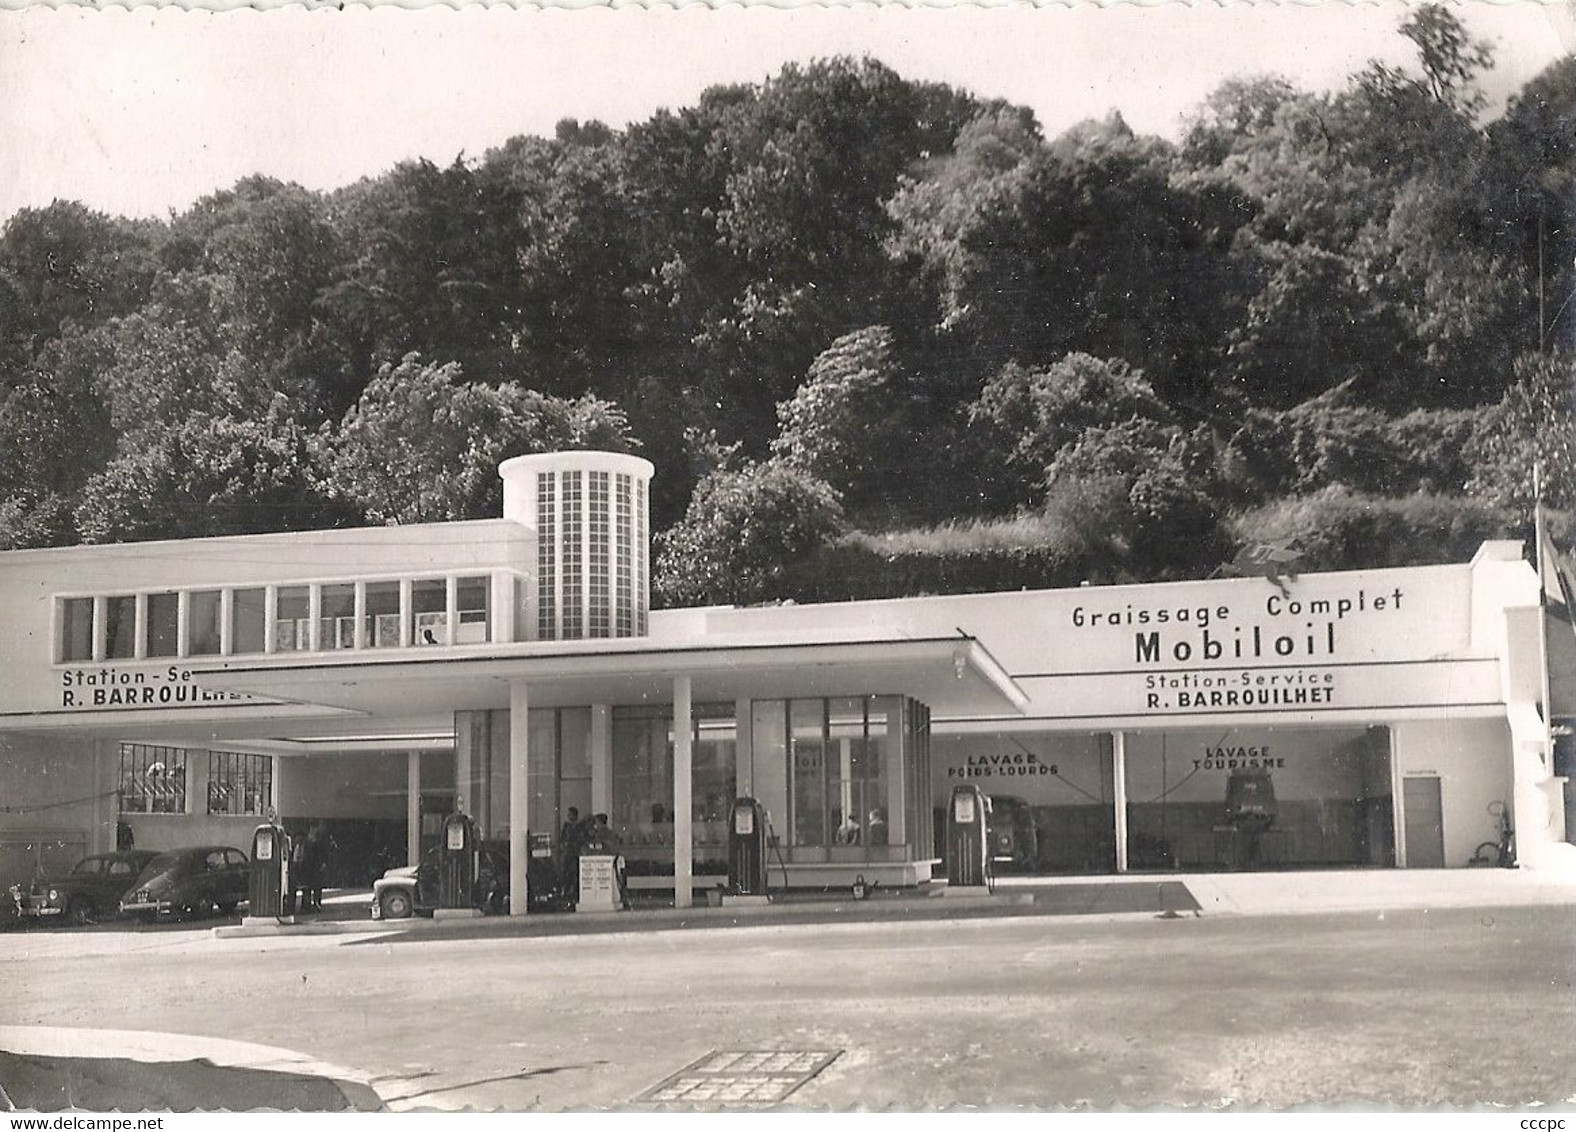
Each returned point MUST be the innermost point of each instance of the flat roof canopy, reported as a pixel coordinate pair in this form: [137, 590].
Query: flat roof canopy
[953, 675]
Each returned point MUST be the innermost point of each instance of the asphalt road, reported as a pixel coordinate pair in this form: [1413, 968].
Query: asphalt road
[1414, 1009]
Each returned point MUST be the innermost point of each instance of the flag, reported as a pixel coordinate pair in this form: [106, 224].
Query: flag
[1275, 560]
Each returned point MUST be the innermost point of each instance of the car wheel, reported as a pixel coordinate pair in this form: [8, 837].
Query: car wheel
[80, 912]
[228, 907]
[395, 904]
[202, 907]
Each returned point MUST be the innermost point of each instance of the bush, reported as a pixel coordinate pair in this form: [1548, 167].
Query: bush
[1340, 529]
[1319, 444]
[743, 534]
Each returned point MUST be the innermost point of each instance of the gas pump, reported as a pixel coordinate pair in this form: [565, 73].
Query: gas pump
[1250, 811]
[457, 861]
[268, 887]
[747, 848]
[968, 845]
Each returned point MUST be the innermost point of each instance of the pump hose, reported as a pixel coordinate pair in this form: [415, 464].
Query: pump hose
[782, 864]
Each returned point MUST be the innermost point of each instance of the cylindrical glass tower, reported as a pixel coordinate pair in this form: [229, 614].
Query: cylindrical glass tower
[590, 513]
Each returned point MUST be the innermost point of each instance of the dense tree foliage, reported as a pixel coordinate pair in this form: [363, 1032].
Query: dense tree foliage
[851, 301]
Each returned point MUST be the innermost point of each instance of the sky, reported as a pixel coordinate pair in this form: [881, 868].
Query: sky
[139, 112]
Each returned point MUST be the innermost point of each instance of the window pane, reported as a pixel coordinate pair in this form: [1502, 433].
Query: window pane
[292, 626]
[338, 605]
[163, 624]
[152, 779]
[572, 565]
[383, 615]
[807, 769]
[120, 627]
[202, 623]
[429, 603]
[846, 765]
[473, 596]
[248, 614]
[239, 784]
[76, 629]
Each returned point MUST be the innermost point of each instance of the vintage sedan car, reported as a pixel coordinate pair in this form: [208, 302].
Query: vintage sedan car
[188, 882]
[413, 889]
[90, 891]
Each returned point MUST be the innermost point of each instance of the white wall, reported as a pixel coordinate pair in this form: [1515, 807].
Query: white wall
[59, 803]
[1472, 759]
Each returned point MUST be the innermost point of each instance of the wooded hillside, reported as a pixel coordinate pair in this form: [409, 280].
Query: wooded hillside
[877, 336]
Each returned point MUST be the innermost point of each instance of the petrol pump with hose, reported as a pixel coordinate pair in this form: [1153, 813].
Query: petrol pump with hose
[968, 840]
[268, 883]
[458, 854]
[748, 826]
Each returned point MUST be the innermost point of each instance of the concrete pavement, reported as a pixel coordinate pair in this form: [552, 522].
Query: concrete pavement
[1284, 989]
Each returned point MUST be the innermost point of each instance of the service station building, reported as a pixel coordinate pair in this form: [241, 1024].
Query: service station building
[376, 680]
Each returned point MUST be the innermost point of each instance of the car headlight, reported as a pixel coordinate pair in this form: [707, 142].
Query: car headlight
[54, 894]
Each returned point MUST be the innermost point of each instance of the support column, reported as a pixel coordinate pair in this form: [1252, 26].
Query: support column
[519, 795]
[683, 780]
[274, 787]
[743, 754]
[899, 762]
[1119, 795]
[465, 727]
[601, 759]
[413, 808]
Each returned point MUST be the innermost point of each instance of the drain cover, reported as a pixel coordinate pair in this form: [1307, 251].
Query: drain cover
[741, 1077]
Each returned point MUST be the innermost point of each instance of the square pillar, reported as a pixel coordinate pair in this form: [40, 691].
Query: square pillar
[901, 756]
[413, 807]
[519, 795]
[683, 784]
[1119, 795]
[601, 759]
[466, 725]
[743, 752]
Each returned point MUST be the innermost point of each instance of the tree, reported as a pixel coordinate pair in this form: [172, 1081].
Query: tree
[208, 475]
[65, 263]
[423, 446]
[832, 428]
[1532, 427]
[743, 534]
[1089, 244]
[1032, 414]
[1527, 177]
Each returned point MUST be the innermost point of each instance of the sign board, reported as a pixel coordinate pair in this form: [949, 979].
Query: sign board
[598, 885]
[115, 687]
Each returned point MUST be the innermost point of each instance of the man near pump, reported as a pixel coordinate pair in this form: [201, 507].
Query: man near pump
[601, 839]
[570, 840]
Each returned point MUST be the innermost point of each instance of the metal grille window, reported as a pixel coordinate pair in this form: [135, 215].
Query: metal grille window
[640, 557]
[623, 624]
[573, 579]
[239, 784]
[152, 779]
[546, 545]
[598, 555]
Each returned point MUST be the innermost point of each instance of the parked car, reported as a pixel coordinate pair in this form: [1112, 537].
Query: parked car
[412, 890]
[193, 881]
[91, 889]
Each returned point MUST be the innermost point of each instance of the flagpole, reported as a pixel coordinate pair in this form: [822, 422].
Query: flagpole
[1539, 537]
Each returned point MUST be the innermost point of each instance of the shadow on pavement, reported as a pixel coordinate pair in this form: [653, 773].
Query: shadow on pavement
[1165, 898]
[50, 1084]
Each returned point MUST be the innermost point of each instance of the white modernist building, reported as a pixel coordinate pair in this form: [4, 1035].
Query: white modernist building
[376, 680]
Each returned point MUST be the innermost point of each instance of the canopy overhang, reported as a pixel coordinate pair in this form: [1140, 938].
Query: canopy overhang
[952, 675]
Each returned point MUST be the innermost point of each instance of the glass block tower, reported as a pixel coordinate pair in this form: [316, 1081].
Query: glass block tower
[590, 514]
